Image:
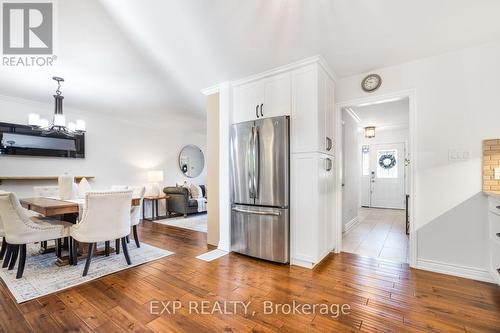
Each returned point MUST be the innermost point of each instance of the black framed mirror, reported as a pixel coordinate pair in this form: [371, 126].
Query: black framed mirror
[191, 161]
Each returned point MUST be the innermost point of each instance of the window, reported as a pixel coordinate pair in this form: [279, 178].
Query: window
[365, 161]
[387, 161]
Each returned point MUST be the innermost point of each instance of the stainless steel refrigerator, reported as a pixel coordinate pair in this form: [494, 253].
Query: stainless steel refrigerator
[260, 188]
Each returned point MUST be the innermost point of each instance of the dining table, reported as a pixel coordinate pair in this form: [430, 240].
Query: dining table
[65, 210]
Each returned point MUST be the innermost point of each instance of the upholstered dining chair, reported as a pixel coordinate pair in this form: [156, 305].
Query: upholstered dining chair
[21, 229]
[106, 216]
[135, 211]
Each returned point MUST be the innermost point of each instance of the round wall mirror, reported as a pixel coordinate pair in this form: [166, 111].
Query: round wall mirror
[191, 161]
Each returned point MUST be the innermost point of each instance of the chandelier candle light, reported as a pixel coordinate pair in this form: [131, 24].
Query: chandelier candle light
[58, 124]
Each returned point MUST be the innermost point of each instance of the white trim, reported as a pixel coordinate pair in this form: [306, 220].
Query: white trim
[473, 273]
[211, 90]
[412, 150]
[225, 122]
[278, 70]
[351, 224]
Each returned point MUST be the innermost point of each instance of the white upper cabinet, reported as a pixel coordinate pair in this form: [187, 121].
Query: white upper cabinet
[277, 96]
[313, 110]
[246, 101]
[264, 98]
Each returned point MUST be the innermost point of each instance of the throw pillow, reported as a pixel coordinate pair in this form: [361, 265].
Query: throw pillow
[195, 191]
[83, 188]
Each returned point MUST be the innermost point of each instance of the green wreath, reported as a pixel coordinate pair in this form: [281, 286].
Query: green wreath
[387, 161]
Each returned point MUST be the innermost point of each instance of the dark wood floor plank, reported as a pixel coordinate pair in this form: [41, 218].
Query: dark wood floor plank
[383, 296]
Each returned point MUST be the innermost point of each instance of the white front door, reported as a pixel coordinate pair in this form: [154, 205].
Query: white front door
[387, 175]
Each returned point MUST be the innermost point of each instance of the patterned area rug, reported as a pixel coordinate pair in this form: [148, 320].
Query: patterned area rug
[42, 276]
[196, 222]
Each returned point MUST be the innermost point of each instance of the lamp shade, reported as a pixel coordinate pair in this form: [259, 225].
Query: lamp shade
[155, 176]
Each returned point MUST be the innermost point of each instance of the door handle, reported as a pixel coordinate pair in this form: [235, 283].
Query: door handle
[329, 164]
[261, 112]
[329, 144]
[246, 211]
[257, 111]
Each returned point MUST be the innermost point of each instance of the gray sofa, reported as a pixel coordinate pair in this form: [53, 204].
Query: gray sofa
[180, 202]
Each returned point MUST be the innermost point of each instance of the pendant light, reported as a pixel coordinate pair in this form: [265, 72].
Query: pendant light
[58, 124]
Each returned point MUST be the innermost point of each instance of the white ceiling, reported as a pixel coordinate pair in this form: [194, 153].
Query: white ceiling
[390, 115]
[153, 57]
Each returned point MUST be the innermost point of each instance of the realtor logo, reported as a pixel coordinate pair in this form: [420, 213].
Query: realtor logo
[27, 28]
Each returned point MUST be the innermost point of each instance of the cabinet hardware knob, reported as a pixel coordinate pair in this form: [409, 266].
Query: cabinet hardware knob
[257, 111]
[261, 113]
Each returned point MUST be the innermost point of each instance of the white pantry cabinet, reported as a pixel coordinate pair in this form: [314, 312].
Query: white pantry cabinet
[262, 98]
[312, 208]
[313, 110]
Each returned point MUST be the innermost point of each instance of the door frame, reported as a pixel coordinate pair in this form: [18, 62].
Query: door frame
[412, 152]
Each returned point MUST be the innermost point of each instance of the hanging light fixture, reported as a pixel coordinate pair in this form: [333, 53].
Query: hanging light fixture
[58, 124]
[370, 132]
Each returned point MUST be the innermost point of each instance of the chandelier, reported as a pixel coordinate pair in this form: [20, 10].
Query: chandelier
[58, 125]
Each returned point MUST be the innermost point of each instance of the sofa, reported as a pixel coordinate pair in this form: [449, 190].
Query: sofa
[180, 201]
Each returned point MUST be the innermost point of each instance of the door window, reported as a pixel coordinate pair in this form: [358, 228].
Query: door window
[387, 161]
[365, 161]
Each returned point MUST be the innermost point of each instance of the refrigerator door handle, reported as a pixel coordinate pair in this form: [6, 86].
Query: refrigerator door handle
[246, 211]
[256, 170]
[251, 163]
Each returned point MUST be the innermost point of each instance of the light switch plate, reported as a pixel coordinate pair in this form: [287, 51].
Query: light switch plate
[497, 173]
[458, 155]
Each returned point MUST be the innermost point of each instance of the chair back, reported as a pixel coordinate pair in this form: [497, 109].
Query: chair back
[14, 220]
[106, 216]
[136, 211]
[46, 191]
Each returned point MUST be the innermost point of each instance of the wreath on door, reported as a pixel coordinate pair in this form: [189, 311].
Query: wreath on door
[387, 161]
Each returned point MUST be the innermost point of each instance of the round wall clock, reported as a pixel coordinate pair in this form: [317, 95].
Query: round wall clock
[371, 83]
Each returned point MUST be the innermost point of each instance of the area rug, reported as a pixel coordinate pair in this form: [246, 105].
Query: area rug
[42, 276]
[196, 222]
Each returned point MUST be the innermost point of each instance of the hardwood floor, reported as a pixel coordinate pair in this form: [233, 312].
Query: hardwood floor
[383, 296]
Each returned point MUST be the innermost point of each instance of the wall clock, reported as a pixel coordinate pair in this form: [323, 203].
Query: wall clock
[371, 83]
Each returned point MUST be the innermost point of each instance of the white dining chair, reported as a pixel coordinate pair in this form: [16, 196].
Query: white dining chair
[135, 211]
[46, 191]
[21, 229]
[106, 217]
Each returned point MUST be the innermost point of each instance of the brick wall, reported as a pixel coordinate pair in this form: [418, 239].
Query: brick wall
[491, 160]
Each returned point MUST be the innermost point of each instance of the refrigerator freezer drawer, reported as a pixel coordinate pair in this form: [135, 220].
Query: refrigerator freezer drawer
[260, 232]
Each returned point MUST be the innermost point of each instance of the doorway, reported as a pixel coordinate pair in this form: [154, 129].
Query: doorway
[375, 178]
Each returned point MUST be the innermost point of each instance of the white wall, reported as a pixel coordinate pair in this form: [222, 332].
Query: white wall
[456, 108]
[352, 170]
[119, 150]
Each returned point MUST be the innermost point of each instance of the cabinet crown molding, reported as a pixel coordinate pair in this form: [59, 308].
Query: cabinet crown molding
[285, 68]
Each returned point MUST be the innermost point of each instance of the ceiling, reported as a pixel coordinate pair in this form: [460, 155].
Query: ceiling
[152, 57]
[388, 115]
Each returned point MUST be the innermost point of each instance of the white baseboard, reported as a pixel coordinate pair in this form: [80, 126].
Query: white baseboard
[455, 270]
[351, 224]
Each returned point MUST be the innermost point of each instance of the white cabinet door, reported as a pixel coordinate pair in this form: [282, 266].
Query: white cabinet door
[246, 101]
[325, 206]
[277, 96]
[304, 213]
[304, 120]
[326, 113]
[329, 101]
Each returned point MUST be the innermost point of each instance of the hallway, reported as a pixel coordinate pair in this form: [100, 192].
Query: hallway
[380, 233]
